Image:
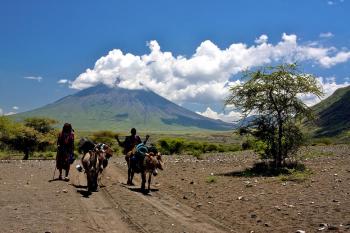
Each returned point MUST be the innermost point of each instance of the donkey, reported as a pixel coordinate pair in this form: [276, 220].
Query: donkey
[143, 165]
[94, 161]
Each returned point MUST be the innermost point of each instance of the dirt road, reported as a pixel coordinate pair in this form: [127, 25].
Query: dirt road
[190, 195]
[32, 202]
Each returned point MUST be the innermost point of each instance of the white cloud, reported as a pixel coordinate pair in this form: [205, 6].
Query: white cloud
[36, 78]
[330, 3]
[15, 108]
[262, 39]
[64, 81]
[1, 112]
[326, 35]
[9, 113]
[340, 57]
[204, 77]
[329, 87]
[232, 116]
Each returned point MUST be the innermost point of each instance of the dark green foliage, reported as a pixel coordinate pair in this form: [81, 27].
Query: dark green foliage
[272, 93]
[25, 137]
[195, 148]
[42, 125]
[171, 145]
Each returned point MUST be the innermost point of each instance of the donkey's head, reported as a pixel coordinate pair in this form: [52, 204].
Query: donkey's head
[154, 162]
[104, 152]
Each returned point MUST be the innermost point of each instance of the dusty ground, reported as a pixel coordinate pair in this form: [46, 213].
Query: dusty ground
[188, 196]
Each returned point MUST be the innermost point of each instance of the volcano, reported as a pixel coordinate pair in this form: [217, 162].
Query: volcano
[105, 108]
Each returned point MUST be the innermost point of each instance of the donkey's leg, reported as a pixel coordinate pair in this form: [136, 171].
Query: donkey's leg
[149, 181]
[143, 181]
[88, 179]
[129, 175]
[132, 176]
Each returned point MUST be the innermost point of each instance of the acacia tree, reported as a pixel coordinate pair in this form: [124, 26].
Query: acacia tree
[34, 134]
[272, 95]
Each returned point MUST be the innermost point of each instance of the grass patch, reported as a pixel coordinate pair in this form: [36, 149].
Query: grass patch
[317, 154]
[211, 179]
[296, 175]
[197, 154]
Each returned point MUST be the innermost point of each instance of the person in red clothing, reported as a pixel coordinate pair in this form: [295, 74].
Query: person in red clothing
[65, 150]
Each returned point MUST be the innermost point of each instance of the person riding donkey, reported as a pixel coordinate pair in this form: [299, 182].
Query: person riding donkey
[65, 150]
[130, 143]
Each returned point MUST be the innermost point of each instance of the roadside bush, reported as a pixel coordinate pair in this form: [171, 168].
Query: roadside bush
[322, 142]
[25, 137]
[248, 144]
[198, 146]
[210, 148]
[171, 145]
[197, 154]
[195, 148]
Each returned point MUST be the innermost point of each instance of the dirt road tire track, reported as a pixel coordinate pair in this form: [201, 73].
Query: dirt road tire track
[161, 212]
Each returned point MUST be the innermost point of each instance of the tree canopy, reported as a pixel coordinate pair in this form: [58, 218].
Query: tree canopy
[273, 94]
[28, 136]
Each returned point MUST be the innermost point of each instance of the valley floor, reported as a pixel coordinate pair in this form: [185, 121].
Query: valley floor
[190, 195]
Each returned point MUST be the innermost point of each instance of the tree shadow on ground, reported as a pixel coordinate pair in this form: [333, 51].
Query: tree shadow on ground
[266, 169]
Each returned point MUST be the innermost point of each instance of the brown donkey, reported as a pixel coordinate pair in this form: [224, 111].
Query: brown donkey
[147, 165]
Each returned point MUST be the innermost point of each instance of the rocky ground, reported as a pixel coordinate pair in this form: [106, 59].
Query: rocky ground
[190, 195]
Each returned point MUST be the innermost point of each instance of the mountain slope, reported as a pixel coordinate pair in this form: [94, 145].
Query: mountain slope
[333, 113]
[101, 108]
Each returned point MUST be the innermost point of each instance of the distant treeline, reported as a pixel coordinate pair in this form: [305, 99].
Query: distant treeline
[37, 137]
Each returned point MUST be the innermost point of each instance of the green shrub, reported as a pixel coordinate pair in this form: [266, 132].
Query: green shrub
[248, 144]
[196, 153]
[171, 145]
[195, 148]
[199, 146]
[322, 141]
[211, 148]
[211, 179]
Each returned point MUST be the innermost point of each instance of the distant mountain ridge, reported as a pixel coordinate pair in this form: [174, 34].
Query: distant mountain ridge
[333, 113]
[105, 108]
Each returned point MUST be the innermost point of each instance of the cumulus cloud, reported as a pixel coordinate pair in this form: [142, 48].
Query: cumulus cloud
[232, 116]
[15, 108]
[329, 86]
[205, 76]
[326, 35]
[340, 57]
[64, 81]
[262, 39]
[1, 112]
[35, 78]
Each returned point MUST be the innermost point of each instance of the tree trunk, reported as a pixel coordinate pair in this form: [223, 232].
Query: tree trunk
[26, 155]
[279, 151]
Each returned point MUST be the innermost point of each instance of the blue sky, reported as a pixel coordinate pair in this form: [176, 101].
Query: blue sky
[44, 42]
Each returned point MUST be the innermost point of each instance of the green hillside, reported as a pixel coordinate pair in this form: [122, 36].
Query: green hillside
[333, 113]
[104, 108]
